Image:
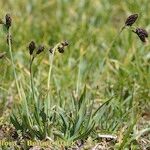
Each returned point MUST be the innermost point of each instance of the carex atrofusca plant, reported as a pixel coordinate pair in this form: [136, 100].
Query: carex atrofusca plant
[77, 120]
[36, 121]
[7, 24]
[142, 33]
[128, 24]
[60, 47]
[34, 51]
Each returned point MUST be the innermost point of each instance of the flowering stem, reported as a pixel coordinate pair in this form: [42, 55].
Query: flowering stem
[50, 71]
[51, 59]
[78, 80]
[31, 76]
[112, 43]
[12, 61]
[51, 66]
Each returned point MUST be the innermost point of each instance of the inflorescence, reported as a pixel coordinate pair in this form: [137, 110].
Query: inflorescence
[60, 47]
[7, 22]
[34, 50]
[32, 47]
[142, 33]
[131, 19]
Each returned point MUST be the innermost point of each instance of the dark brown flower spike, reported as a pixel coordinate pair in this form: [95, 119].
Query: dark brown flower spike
[65, 43]
[8, 21]
[131, 19]
[61, 49]
[142, 31]
[142, 34]
[32, 47]
[62, 46]
[40, 49]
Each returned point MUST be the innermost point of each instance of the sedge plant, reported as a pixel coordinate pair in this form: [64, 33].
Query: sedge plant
[78, 120]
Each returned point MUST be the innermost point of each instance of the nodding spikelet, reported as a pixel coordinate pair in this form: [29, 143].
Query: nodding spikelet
[142, 34]
[142, 31]
[131, 19]
[65, 43]
[8, 21]
[32, 47]
[61, 49]
[62, 46]
[40, 49]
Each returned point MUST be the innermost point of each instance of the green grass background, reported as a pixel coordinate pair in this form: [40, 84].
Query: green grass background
[89, 27]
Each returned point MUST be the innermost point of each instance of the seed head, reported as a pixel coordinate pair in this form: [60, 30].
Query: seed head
[142, 31]
[61, 49]
[62, 46]
[142, 34]
[32, 47]
[131, 19]
[65, 43]
[8, 21]
[40, 49]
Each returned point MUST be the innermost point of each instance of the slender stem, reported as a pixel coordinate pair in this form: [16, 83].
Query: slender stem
[12, 61]
[49, 78]
[51, 66]
[112, 43]
[50, 70]
[78, 80]
[31, 76]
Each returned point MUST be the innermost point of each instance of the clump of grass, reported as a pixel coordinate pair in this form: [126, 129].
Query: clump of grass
[39, 123]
